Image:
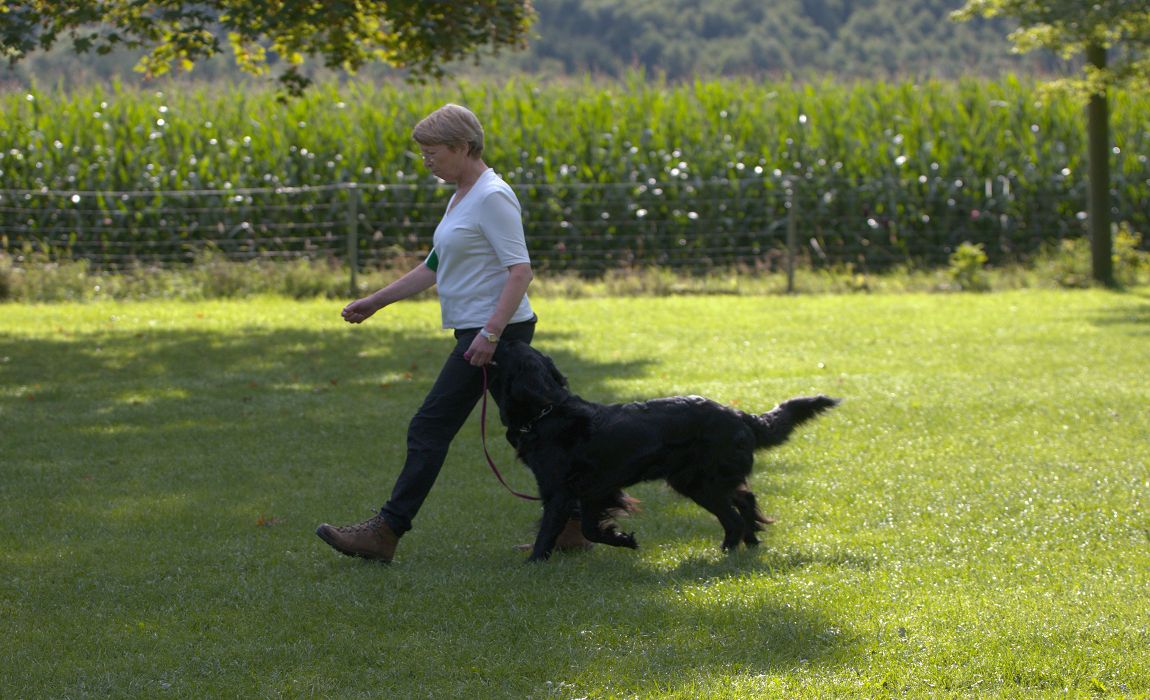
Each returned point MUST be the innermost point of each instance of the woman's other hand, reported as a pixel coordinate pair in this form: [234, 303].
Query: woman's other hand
[359, 310]
[481, 352]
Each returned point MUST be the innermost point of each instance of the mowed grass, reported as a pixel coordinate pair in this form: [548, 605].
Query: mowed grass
[971, 521]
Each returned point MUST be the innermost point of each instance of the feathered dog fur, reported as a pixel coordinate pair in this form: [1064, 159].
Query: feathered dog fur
[586, 453]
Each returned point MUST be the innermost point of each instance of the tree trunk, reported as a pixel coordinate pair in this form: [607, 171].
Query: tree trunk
[1098, 156]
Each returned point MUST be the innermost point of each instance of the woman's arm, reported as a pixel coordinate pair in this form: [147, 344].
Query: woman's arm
[518, 279]
[414, 282]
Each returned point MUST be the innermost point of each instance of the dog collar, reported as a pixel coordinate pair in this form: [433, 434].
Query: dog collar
[530, 425]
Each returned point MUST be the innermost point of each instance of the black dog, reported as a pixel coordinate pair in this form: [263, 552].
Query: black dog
[586, 453]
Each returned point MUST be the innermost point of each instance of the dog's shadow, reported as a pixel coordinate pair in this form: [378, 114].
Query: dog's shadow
[680, 583]
[761, 561]
[696, 615]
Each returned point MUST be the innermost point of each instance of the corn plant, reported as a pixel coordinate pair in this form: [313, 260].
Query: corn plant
[638, 172]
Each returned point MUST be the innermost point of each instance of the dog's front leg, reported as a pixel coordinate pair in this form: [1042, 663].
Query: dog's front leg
[557, 508]
[597, 524]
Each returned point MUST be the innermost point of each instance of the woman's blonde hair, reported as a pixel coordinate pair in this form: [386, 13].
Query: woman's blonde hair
[451, 125]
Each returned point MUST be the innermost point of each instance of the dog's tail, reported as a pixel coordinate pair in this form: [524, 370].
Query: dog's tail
[775, 426]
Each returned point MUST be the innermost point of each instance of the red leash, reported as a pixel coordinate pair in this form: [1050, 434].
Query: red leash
[483, 435]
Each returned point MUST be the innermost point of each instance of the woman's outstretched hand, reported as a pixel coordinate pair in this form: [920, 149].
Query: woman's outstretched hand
[359, 310]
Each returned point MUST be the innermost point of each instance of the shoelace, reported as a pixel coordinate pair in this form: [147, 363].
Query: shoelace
[371, 524]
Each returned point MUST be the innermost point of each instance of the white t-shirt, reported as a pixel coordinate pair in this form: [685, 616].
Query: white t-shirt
[474, 244]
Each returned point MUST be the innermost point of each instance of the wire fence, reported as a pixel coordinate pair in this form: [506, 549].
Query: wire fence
[756, 223]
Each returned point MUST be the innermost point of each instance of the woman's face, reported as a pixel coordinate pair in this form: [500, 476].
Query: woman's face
[444, 162]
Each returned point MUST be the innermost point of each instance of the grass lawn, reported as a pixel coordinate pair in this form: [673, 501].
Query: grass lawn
[971, 521]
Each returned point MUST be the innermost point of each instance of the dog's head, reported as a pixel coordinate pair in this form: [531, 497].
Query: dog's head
[524, 381]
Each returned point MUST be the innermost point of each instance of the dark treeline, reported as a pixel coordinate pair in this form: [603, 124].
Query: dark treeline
[684, 39]
[854, 39]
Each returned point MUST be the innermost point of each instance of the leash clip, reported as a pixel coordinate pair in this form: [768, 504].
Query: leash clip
[531, 423]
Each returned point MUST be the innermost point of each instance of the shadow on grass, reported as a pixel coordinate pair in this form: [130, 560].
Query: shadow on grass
[227, 429]
[271, 421]
[204, 382]
[767, 561]
[1133, 317]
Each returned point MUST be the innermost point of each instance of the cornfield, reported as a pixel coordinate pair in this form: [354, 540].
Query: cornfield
[613, 175]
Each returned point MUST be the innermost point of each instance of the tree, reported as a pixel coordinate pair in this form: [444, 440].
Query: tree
[419, 35]
[1098, 30]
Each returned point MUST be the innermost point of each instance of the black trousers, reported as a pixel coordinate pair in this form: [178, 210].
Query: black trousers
[446, 408]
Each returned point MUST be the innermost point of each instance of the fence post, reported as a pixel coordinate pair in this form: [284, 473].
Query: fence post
[353, 238]
[792, 233]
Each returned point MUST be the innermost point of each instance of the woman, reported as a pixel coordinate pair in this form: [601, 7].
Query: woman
[480, 265]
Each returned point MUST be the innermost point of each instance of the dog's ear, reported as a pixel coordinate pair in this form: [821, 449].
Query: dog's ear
[555, 373]
[535, 388]
[524, 382]
[535, 380]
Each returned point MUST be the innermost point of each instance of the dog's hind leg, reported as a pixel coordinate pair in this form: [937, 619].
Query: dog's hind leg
[744, 501]
[717, 500]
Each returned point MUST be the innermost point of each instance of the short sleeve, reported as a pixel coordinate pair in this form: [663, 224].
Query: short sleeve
[501, 221]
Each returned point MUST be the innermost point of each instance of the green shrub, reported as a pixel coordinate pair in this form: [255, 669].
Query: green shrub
[1131, 262]
[967, 268]
[1069, 263]
[7, 277]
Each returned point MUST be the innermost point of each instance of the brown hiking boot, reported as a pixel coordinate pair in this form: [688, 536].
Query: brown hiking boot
[371, 539]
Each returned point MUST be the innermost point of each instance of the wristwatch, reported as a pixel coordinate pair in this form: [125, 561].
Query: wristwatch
[489, 336]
